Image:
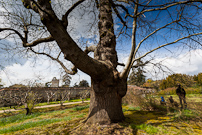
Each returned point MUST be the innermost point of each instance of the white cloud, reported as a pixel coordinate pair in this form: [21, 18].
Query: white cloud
[187, 63]
[45, 70]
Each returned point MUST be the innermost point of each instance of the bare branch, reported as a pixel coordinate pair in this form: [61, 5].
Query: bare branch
[138, 46]
[124, 8]
[31, 4]
[135, 49]
[121, 64]
[36, 42]
[141, 64]
[74, 71]
[90, 49]
[117, 13]
[129, 63]
[137, 65]
[18, 33]
[24, 39]
[64, 17]
[166, 6]
[59, 54]
[167, 45]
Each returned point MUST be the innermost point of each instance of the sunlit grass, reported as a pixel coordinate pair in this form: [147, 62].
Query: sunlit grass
[17, 118]
[77, 108]
[63, 119]
[148, 128]
[27, 122]
[57, 102]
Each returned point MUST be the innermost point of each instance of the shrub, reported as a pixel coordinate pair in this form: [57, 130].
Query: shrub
[148, 103]
[168, 91]
[152, 104]
[132, 99]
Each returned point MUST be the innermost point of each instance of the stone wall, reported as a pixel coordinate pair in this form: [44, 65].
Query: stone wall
[45, 93]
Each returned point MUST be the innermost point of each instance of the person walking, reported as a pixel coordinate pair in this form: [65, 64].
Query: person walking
[181, 94]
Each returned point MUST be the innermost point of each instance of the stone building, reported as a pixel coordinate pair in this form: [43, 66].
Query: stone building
[55, 82]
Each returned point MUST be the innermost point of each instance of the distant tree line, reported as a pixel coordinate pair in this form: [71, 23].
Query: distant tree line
[139, 79]
[183, 79]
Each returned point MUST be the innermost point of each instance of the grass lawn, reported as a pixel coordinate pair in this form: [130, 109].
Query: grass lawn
[68, 120]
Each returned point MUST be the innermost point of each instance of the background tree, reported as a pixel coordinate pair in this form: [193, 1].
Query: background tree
[151, 84]
[198, 79]
[66, 79]
[38, 85]
[63, 95]
[173, 80]
[83, 83]
[48, 84]
[84, 94]
[22, 96]
[163, 85]
[148, 24]
[50, 95]
[76, 85]
[137, 76]
[1, 85]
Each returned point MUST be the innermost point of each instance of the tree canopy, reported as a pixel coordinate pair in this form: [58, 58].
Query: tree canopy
[83, 83]
[198, 78]
[174, 79]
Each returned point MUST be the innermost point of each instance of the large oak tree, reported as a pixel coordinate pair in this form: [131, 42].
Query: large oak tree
[144, 22]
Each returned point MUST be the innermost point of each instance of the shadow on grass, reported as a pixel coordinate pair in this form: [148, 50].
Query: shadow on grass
[135, 119]
[148, 121]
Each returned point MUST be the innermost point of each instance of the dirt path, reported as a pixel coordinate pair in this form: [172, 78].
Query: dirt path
[45, 106]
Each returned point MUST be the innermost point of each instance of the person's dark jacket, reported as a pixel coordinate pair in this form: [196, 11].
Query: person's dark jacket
[180, 90]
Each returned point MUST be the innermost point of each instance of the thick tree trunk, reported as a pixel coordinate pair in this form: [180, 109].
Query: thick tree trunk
[107, 87]
[106, 102]
[107, 90]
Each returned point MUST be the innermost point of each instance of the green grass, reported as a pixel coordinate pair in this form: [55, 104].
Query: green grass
[77, 108]
[64, 119]
[19, 122]
[8, 108]
[185, 115]
[130, 108]
[81, 115]
[17, 118]
[57, 102]
[5, 108]
[29, 124]
[148, 128]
